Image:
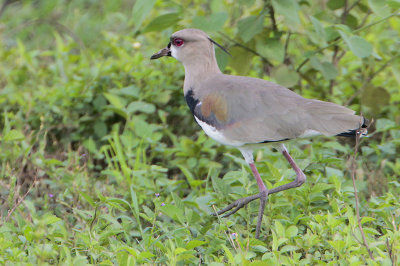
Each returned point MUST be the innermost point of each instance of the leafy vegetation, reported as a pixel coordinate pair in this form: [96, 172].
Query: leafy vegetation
[102, 163]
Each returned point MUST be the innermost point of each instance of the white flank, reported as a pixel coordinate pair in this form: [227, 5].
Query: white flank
[309, 133]
[213, 133]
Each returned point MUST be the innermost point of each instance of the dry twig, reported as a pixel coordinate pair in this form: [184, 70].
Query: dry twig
[21, 199]
[353, 177]
[390, 251]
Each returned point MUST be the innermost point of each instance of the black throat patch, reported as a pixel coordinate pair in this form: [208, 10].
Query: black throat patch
[195, 108]
[191, 101]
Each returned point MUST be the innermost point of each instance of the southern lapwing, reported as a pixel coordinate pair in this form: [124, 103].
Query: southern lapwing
[247, 112]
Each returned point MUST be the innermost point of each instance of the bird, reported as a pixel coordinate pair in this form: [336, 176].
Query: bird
[248, 113]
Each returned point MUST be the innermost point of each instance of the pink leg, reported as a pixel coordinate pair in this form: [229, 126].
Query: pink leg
[263, 197]
[240, 203]
[260, 183]
[300, 176]
[264, 192]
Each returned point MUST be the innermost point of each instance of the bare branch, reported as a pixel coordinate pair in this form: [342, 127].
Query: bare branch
[336, 41]
[353, 5]
[286, 45]
[345, 12]
[245, 47]
[272, 17]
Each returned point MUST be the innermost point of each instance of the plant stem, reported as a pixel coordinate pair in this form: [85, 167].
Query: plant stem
[353, 177]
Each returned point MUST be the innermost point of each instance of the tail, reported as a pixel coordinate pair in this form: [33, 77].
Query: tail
[362, 130]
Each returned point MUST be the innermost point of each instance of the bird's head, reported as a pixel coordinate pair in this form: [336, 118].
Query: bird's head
[188, 45]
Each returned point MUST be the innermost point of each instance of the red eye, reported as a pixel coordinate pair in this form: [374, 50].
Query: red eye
[177, 42]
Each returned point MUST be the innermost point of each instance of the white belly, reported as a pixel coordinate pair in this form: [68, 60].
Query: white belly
[309, 133]
[213, 133]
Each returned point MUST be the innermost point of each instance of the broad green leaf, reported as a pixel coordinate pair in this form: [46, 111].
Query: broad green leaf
[13, 135]
[173, 212]
[220, 186]
[327, 69]
[288, 248]
[272, 49]
[335, 4]
[194, 243]
[50, 219]
[395, 4]
[332, 172]
[388, 148]
[259, 248]
[367, 219]
[289, 9]
[222, 58]
[291, 231]
[359, 46]
[338, 245]
[115, 100]
[130, 250]
[162, 22]
[379, 7]
[332, 222]
[249, 27]
[140, 10]
[229, 255]
[375, 98]
[371, 231]
[240, 60]
[87, 198]
[142, 128]
[143, 107]
[179, 250]
[118, 203]
[185, 257]
[118, 111]
[132, 91]
[214, 22]
[351, 21]
[55, 162]
[217, 6]
[145, 255]
[344, 28]
[331, 33]
[178, 201]
[28, 232]
[280, 230]
[285, 76]
[350, 216]
[319, 187]
[90, 145]
[192, 181]
[319, 29]
[383, 124]
[246, 2]
[100, 128]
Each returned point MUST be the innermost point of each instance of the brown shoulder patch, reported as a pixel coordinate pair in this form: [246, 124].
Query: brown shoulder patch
[215, 104]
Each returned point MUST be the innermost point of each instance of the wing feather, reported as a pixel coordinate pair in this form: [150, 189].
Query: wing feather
[254, 110]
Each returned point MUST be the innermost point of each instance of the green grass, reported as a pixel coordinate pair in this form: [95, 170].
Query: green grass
[102, 163]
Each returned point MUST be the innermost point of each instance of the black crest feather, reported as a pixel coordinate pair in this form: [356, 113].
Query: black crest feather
[220, 46]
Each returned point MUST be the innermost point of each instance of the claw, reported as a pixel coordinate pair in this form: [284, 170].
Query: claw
[240, 203]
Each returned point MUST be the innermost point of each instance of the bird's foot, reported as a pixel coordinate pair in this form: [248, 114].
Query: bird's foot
[240, 203]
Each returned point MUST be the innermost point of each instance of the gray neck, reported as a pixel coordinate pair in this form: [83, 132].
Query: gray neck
[198, 70]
